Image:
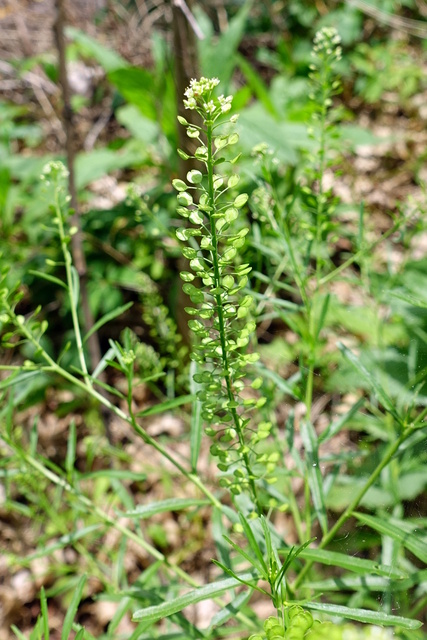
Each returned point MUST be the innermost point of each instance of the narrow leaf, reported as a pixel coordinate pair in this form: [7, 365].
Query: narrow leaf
[335, 427]
[75, 286]
[172, 504]
[415, 545]
[165, 406]
[382, 396]
[315, 480]
[364, 615]
[196, 595]
[252, 542]
[230, 610]
[323, 314]
[106, 318]
[358, 565]
[196, 426]
[44, 612]
[243, 553]
[48, 277]
[63, 541]
[72, 608]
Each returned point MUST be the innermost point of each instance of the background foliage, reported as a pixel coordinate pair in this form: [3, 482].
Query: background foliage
[95, 524]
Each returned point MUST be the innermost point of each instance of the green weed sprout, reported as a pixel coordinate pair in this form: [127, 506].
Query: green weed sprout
[220, 321]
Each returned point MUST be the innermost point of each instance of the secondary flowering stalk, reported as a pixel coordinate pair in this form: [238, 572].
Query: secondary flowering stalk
[222, 327]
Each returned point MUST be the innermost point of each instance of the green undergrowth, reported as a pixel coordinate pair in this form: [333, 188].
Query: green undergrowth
[299, 463]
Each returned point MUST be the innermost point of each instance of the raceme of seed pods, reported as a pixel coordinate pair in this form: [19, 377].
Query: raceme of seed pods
[220, 321]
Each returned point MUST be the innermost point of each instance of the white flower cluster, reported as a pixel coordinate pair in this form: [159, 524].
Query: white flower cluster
[54, 169]
[327, 42]
[199, 96]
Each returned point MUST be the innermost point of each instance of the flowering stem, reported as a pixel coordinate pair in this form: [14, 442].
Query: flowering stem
[220, 312]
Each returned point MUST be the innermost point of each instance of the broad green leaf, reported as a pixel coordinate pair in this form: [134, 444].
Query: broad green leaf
[171, 504]
[256, 83]
[94, 164]
[219, 59]
[140, 126]
[136, 86]
[165, 406]
[358, 565]
[72, 608]
[196, 595]
[363, 615]
[411, 542]
[107, 58]
[257, 126]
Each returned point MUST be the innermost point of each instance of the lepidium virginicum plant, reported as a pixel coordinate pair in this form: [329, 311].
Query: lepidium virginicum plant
[221, 320]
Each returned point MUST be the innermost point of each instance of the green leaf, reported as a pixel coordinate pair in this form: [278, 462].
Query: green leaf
[72, 608]
[196, 595]
[382, 396]
[106, 318]
[196, 425]
[253, 542]
[94, 164]
[218, 60]
[136, 86]
[245, 555]
[335, 427]
[257, 85]
[230, 611]
[63, 541]
[106, 57]
[415, 545]
[165, 406]
[172, 504]
[358, 565]
[315, 480]
[409, 299]
[48, 277]
[44, 613]
[354, 583]
[363, 615]
[140, 126]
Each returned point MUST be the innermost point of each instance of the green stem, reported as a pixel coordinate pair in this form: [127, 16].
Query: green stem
[110, 521]
[54, 367]
[220, 312]
[327, 538]
[70, 289]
